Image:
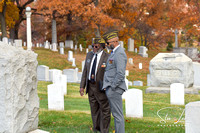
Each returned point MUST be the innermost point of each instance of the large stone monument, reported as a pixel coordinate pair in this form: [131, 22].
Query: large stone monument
[168, 68]
[19, 102]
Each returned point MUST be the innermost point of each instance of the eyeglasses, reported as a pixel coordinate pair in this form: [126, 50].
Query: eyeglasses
[110, 42]
[94, 46]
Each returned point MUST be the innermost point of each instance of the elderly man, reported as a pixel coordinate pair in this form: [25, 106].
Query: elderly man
[92, 79]
[114, 78]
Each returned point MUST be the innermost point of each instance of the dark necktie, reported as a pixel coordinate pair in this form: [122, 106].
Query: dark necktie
[93, 69]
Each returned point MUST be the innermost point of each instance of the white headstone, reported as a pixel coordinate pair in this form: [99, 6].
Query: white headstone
[131, 44]
[168, 68]
[41, 45]
[71, 75]
[140, 65]
[54, 45]
[87, 50]
[62, 51]
[192, 117]
[43, 73]
[18, 42]
[5, 40]
[61, 80]
[134, 103]
[127, 73]
[121, 43]
[73, 62]
[75, 47]
[177, 94]
[135, 50]
[143, 51]
[83, 64]
[50, 46]
[79, 76]
[37, 44]
[196, 67]
[46, 45]
[61, 44]
[70, 56]
[24, 44]
[138, 83]
[80, 47]
[130, 60]
[53, 72]
[55, 97]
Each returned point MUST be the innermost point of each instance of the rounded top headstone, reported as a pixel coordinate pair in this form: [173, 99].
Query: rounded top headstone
[28, 9]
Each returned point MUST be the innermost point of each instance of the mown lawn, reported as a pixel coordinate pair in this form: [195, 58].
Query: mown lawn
[76, 116]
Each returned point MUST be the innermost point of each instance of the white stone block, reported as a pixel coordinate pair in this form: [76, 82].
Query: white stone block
[61, 80]
[18, 42]
[73, 62]
[192, 117]
[134, 103]
[137, 83]
[130, 61]
[196, 67]
[5, 40]
[142, 51]
[131, 44]
[80, 47]
[62, 51]
[19, 102]
[70, 56]
[135, 50]
[127, 73]
[43, 73]
[177, 94]
[55, 97]
[83, 64]
[38, 131]
[140, 65]
[71, 75]
[87, 50]
[53, 72]
[168, 68]
[46, 45]
[54, 47]
[121, 43]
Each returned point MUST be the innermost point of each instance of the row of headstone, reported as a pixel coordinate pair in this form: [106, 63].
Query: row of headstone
[134, 99]
[46, 74]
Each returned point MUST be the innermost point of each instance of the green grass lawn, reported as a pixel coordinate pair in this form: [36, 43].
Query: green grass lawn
[76, 116]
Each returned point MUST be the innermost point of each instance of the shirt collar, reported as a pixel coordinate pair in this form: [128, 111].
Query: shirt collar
[115, 48]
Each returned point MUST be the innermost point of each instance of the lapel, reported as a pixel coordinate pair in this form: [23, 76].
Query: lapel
[90, 58]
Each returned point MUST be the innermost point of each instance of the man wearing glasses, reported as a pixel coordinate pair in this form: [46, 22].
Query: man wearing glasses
[114, 83]
[92, 79]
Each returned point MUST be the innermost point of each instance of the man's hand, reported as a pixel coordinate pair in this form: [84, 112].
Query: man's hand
[81, 91]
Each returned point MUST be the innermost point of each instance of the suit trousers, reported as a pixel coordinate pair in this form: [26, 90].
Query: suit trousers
[115, 100]
[100, 109]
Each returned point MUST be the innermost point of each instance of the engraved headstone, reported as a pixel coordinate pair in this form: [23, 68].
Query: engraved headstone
[70, 56]
[43, 73]
[143, 51]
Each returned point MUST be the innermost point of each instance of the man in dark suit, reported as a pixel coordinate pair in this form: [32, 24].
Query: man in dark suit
[92, 79]
[114, 78]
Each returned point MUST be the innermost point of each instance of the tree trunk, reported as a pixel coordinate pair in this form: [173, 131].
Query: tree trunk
[69, 20]
[97, 32]
[3, 20]
[12, 33]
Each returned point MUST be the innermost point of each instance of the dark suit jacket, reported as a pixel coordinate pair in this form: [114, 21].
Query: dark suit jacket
[100, 70]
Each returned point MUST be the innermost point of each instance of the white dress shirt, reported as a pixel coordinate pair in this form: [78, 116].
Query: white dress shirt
[98, 59]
